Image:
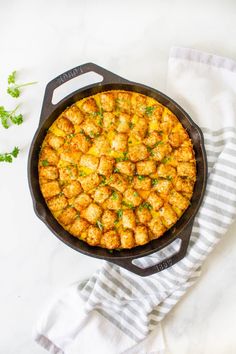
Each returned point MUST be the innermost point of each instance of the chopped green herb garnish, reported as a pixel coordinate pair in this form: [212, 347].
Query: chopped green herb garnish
[130, 178]
[169, 178]
[131, 125]
[158, 143]
[110, 251]
[114, 195]
[128, 205]
[135, 194]
[116, 170]
[70, 136]
[149, 110]
[155, 181]
[7, 157]
[146, 206]
[124, 158]
[141, 178]
[100, 225]
[166, 159]
[116, 222]
[120, 213]
[103, 181]
[45, 163]
[14, 89]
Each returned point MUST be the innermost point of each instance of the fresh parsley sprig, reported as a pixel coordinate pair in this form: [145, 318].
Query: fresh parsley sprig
[13, 88]
[8, 156]
[6, 116]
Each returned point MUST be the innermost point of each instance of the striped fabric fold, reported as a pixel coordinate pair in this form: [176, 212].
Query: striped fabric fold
[115, 309]
[136, 305]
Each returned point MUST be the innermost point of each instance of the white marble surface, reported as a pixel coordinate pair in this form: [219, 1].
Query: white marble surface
[42, 39]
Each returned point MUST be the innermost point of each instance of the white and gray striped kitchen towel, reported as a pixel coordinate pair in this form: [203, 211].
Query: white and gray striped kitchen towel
[116, 311]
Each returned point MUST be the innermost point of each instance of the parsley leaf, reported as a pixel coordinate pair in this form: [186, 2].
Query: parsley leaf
[146, 206]
[120, 213]
[100, 225]
[165, 160]
[149, 110]
[5, 116]
[155, 181]
[7, 157]
[12, 78]
[114, 196]
[14, 89]
[45, 163]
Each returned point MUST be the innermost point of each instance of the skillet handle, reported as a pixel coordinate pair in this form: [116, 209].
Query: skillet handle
[168, 262]
[108, 77]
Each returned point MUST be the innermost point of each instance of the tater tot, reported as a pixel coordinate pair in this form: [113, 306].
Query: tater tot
[123, 123]
[50, 189]
[49, 156]
[118, 182]
[57, 203]
[89, 182]
[55, 141]
[168, 215]
[91, 128]
[146, 167]
[107, 101]
[127, 239]
[143, 215]
[142, 182]
[119, 143]
[126, 167]
[138, 152]
[74, 114]
[108, 219]
[94, 236]
[157, 227]
[65, 125]
[72, 189]
[155, 201]
[78, 227]
[128, 219]
[132, 197]
[176, 199]
[81, 142]
[123, 101]
[68, 173]
[105, 166]
[48, 172]
[89, 161]
[141, 235]
[82, 201]
[90, 106]
[67, 216]
[101, 194]
[92, 213]
[186, 169]
[110, 240]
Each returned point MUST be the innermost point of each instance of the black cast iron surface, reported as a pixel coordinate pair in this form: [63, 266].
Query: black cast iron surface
[182, 229]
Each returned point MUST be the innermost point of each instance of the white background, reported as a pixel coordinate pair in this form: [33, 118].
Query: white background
[42, 39]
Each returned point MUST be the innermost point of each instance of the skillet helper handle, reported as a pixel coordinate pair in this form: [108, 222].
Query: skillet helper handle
[168, 262]
[108, 77]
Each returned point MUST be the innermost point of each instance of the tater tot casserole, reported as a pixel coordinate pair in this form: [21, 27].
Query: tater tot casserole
[117, 169]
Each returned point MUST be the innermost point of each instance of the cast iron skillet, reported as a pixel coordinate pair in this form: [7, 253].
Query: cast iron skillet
[182, 229]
